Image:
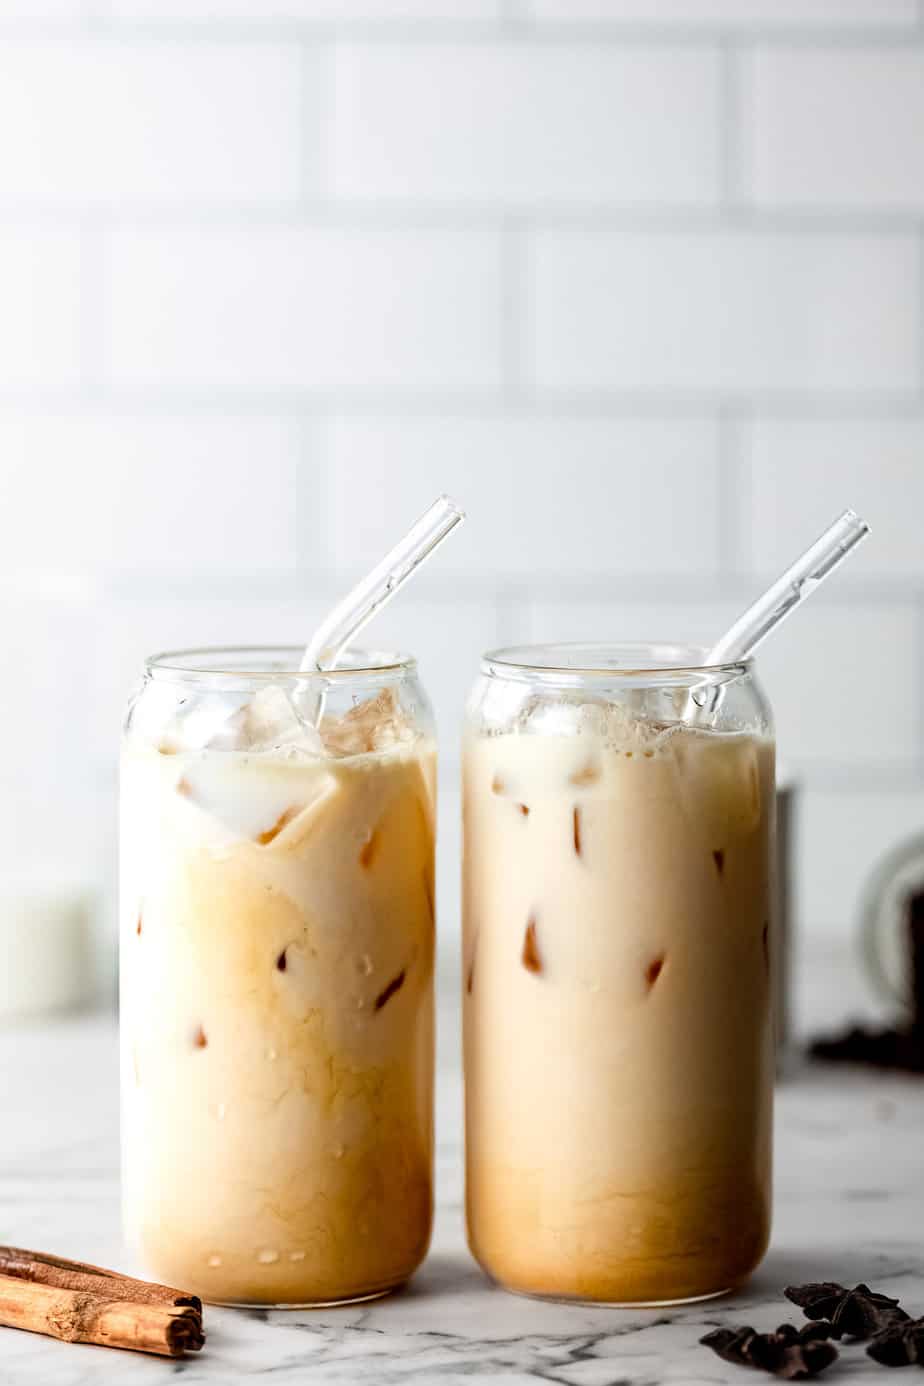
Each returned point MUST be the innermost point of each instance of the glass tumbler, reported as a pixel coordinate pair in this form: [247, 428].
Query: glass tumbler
[277, 938]
[618, 863]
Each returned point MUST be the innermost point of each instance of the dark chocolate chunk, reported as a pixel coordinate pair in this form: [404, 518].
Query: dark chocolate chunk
[718, 857]
[794, 1354]
[281, 961]
[856, 1313]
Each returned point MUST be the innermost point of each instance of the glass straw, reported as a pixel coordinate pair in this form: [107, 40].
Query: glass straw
[377, 588]
[798, 582]
[790, 589]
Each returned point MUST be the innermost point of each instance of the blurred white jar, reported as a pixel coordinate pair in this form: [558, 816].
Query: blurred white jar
[44, 948]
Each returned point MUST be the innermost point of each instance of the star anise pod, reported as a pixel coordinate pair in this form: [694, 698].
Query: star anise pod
[899, 1345]
[857, 1313]
[791, 1353]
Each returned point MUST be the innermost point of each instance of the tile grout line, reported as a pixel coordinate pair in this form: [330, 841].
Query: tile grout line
[422, 30]
[316, 77]
[732, 497]
[93, 251]
[519, 589]
[310, 462]
[362, 401]
[95, 15]
[513, 326]
[920, 306]
[730, 131]
[321, 427]
[351, 214]
[508, 603]
[511, 19]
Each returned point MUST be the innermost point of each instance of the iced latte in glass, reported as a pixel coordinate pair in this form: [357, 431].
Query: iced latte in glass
[619, 824]
[277, 938]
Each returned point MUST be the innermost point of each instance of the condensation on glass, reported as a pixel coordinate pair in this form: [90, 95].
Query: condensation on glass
[277, 939]
[618, 936]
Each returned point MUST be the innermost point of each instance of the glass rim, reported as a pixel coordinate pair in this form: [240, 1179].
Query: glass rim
[588, 659]
[272, 663]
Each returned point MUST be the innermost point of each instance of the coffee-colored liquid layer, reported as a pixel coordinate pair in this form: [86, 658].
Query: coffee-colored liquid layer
[618, 1048]
[277, 1018]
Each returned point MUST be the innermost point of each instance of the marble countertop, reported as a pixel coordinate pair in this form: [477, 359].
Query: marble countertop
[849, 1206]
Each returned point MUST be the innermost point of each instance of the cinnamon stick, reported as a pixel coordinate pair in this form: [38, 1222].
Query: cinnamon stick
[80, 1275]
[79, 1316]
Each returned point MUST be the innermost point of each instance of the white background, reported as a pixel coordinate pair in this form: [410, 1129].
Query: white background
[638, 281]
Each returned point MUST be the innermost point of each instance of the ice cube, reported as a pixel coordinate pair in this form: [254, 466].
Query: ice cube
[265, 721]
[611, 722]
[210, 721]
[373, 725]
[265, 800]
[293, 827]
[552, 716]
[269, 722]
[720, 784]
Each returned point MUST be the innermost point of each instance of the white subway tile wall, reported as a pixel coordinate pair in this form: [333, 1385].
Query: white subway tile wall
[738, 14]
[722, 312]
[834, 127]
[331, 11]
[315, 309]
[87, 122]
[43, 9]
[554, 495]
[117, 493]
[42, 307]
[799, 470]
[506, 124]
[638, 281]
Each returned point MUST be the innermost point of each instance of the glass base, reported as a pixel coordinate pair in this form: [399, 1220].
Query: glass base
[619, 1303]
[305, 1304]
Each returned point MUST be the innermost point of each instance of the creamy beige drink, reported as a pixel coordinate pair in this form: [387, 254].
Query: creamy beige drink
[277, 1018]
[618, 1051]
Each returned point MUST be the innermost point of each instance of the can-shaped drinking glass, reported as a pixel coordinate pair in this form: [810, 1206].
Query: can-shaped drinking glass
[618, 868]
[277, 937]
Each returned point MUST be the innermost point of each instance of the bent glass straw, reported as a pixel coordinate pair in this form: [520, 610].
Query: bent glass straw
[799, 581]
[377, 588]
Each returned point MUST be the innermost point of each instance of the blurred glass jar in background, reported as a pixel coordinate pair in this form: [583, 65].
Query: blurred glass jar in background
[618, 1019]
[45, 956]
[277, 938]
